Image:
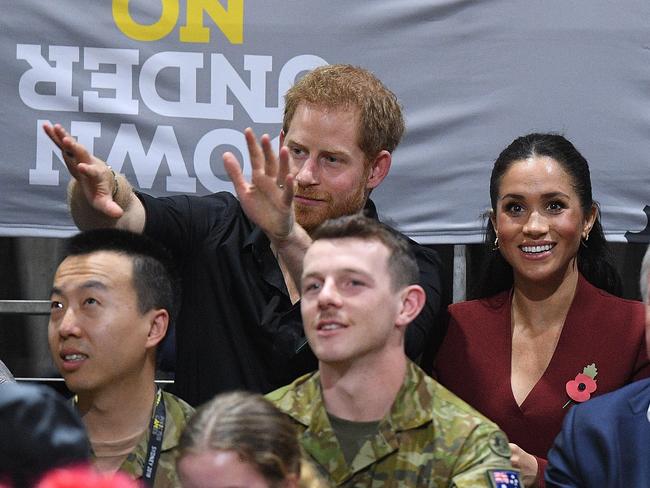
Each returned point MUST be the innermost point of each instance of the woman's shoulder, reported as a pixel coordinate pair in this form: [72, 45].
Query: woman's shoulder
[496, 304]
[590, 296]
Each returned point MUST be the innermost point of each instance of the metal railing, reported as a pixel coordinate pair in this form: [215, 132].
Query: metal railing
[25, 307]
[38, 307]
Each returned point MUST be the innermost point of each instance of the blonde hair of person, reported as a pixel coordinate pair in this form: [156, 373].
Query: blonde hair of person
[259, 433]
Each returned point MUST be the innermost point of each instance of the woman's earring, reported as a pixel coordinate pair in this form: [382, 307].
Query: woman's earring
[584, 239]
[496, 243]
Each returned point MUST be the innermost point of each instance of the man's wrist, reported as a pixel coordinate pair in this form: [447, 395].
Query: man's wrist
[297, 236]
[121, 191]
[116, 185]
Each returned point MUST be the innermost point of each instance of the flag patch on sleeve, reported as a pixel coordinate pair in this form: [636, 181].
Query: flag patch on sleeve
[503, 478]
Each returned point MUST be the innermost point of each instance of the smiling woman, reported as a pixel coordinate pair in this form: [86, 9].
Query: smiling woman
[547, 308]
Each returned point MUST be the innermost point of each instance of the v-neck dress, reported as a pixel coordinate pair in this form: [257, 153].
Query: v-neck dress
[475, 356]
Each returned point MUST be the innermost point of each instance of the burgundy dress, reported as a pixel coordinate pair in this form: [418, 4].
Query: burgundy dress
[474, 361]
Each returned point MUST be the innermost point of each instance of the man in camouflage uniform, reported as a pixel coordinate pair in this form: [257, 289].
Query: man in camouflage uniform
[112, 301]
[369, 417]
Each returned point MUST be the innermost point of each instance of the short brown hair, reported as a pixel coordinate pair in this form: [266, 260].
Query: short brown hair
[402, 265]
[381, 124]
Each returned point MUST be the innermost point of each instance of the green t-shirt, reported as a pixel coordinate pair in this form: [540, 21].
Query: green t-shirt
[352, 435]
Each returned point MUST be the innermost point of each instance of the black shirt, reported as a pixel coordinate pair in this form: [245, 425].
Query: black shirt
[237, 328]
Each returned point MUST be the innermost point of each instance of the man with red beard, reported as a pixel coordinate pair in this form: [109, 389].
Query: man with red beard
[241, 260]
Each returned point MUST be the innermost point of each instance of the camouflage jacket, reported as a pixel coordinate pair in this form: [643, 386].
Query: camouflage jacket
[177, 413]
[430, 438]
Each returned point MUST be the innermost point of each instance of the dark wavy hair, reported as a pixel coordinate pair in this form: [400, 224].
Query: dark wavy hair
[594, 261]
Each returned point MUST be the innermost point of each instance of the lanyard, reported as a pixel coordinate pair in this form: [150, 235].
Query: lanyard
[156, 431]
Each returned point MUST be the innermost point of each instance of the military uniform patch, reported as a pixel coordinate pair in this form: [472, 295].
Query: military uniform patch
[499, 444]
[502, 478]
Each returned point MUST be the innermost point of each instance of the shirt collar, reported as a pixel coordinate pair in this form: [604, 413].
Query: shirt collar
[403, 415]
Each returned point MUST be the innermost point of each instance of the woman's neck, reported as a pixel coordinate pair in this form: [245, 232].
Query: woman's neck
[542, 305]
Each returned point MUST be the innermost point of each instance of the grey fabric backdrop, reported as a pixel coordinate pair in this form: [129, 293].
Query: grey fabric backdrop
[131, 79]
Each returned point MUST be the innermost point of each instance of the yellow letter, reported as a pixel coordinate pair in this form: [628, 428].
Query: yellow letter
[141, 32]
[231, 21]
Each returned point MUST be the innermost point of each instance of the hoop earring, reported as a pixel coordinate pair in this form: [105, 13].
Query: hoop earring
[583, 241]
[496, 244]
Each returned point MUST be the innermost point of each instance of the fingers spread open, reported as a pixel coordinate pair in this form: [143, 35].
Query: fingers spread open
[283, 169]
[234, 170]
[287, 194]
[254, 150]
[270, 160]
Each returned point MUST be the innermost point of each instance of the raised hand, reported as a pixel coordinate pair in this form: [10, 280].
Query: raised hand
[94, 175]
[267, 199]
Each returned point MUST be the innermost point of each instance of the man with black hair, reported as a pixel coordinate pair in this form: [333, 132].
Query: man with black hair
[111, 304]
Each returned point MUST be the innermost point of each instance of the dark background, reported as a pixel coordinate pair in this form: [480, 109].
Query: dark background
[27, 266]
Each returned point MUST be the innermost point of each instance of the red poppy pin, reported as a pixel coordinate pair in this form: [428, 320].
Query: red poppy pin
[581, 388]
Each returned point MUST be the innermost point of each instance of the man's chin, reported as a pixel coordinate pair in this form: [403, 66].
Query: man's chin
[310, 219]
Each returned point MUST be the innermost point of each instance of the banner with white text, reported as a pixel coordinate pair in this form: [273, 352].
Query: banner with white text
[161, 88]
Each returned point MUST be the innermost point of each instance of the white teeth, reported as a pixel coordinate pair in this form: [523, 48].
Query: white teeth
[74, 357]
[535, 249]
[330, 327]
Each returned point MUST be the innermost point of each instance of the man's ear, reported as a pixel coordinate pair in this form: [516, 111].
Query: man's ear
[281, 137]
[413, 300]
[158, 323]
[378, 169]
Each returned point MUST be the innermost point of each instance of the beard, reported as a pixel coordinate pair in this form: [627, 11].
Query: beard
[311, 217]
